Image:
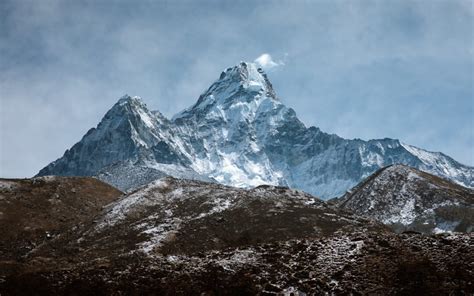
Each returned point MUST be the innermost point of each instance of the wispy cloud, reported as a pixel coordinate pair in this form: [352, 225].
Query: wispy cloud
[266, 62]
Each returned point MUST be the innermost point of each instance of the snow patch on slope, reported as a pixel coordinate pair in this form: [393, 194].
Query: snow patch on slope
[7, 185]
[141, 198]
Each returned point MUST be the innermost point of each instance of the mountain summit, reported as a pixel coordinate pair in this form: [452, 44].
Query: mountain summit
[240, 134]
[245, 84]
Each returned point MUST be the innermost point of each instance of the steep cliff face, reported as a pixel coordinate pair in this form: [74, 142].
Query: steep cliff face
[240, 134]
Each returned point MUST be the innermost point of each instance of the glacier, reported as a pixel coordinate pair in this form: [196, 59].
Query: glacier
[240, 134]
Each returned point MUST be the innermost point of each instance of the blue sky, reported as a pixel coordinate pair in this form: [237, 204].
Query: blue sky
[360, 69]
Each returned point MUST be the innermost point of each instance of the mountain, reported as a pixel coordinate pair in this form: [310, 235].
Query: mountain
[408, 199]
[184, 237]
[238, 133]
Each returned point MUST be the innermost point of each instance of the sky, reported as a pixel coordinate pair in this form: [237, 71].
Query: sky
[359, 69]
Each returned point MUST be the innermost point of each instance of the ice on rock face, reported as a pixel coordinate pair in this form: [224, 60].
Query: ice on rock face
[233, 112]
[240, 134]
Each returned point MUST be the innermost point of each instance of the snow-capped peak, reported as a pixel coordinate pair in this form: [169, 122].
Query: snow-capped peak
[126, 99]
[134, 109]
[244, 83]
[249, 75]
[131, 104]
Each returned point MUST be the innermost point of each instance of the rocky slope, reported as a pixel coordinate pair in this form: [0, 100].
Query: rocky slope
[172, 216]
[182, 237]
[35, 211]
[238, 133]
[355, 263]
[408, 199]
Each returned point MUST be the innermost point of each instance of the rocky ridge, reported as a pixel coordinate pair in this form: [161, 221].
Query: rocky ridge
[172, 216]
[408, 199]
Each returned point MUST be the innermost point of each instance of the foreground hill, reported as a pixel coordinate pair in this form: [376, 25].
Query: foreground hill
[181, 237]
[171, 216]
[353, 263]
[35, 211]
[238, 133]
[408, 199]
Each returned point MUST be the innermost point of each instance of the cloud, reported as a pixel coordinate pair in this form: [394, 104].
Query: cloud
[266, 62]
[354, 68]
